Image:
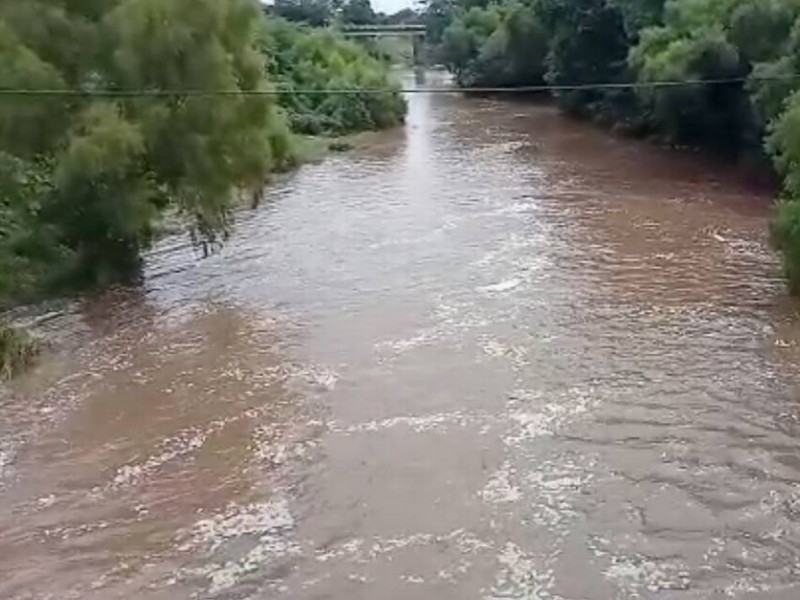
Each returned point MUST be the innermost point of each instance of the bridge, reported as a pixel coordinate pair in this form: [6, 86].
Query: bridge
[415, 32]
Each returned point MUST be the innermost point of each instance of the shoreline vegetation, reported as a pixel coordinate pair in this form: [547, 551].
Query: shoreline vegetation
[753, 117]
[87, 184]
[18, 350]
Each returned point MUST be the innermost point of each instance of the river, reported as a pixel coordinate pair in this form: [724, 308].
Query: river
[494, 354]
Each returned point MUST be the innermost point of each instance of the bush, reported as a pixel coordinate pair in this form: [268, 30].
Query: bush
[785, 234]
[32, 258]
[783, 144]
[307, 62]
[17, 351]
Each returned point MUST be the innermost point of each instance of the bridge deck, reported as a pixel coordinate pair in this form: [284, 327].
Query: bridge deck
[355, 30]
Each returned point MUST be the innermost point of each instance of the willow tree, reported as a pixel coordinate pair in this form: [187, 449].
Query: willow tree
[112, 166]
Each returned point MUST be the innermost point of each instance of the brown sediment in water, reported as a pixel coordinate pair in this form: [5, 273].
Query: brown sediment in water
[497, 354]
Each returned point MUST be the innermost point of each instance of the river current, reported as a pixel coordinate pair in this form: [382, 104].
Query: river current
[496, 353]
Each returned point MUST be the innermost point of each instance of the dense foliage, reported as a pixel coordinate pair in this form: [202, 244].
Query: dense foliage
[496, 45]
[83, 180]
[752, 45]
[86, 179]
[306, 61]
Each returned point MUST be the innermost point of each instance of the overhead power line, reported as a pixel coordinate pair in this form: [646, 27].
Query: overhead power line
[528, 89]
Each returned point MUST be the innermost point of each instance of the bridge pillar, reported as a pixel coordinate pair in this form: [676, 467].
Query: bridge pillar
[418, 50]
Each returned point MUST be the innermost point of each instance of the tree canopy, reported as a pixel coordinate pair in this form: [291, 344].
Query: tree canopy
[319, 13]
[304, 62]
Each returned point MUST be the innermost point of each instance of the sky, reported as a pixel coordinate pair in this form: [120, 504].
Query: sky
[391, 6]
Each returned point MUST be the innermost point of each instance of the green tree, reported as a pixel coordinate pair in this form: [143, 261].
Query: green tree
[783, 143]
[760, 29]
[305, 63]
[202, 149]
[30, 257]
[405, 16]
[501, 45]
[589, 45]
[714, 115]
[463, 40]
[28, 127]
[437, 16]
[774, 80]
[639, 14]
[112, 168]
[357, 12]
[316, 13]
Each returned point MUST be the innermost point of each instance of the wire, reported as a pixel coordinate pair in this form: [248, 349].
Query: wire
[528, 89]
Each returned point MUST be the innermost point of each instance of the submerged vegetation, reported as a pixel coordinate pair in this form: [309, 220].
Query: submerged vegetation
[17, 351]
[753, 45]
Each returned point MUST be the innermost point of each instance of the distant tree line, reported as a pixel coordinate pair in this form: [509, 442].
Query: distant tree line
[320, 13]
[753, 43]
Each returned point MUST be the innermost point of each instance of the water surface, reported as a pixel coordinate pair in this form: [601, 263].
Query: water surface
[494, 354]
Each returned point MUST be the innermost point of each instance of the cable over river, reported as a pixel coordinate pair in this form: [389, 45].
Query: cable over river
[495, 354]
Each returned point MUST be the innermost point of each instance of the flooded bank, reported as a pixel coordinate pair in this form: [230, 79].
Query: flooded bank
[495, 354]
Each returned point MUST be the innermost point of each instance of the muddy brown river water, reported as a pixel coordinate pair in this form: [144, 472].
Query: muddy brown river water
[494, 354]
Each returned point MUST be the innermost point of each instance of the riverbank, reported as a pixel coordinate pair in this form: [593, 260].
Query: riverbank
[718, 75]
[752, 169]
[460, 361]
[89, 172]
[22, 340]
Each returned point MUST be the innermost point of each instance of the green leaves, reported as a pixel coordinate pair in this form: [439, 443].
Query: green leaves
[17, 351]
[640, 14]
[785, 234]
[713, 39]
[29, 254]
[760, 28]
[84, 181]
[303, 60]
[28, 126]
[113, 167]
[500, 45]
[103, 202]
[711, 115]
[590, 45]
[783, 142]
